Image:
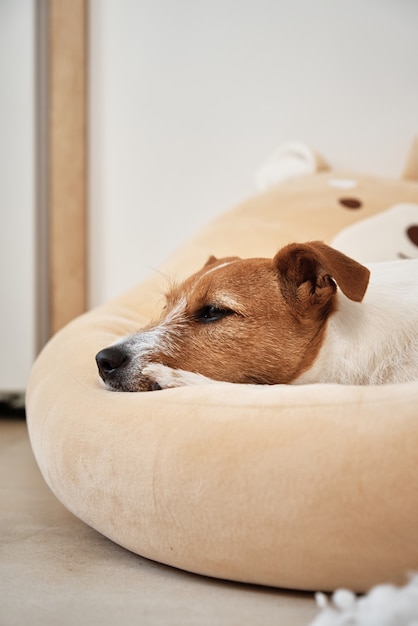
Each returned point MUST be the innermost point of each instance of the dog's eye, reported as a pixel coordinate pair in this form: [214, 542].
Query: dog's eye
[212, 313]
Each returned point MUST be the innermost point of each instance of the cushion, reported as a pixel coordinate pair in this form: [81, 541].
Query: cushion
[304, 487]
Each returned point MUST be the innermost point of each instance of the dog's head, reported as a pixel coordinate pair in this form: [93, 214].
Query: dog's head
[241, 320]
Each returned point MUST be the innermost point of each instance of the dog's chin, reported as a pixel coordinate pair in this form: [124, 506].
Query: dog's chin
[144, 384]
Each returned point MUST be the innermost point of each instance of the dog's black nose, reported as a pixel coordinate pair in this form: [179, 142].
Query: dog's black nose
[111, 359]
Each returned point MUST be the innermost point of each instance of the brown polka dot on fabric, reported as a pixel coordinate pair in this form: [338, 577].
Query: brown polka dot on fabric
[412, 233]
[350, 203]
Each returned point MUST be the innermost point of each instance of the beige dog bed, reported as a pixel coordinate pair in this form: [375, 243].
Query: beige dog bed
[306, 487]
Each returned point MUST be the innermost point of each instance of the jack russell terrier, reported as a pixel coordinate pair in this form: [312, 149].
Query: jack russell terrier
[280, 320]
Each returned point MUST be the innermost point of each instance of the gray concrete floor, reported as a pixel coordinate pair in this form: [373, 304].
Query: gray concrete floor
[55, 570]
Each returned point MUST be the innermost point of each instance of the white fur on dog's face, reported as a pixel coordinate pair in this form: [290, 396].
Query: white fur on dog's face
[244, 321]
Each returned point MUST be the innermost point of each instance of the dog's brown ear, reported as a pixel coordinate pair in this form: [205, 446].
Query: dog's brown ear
[211, 260]
[308, 271]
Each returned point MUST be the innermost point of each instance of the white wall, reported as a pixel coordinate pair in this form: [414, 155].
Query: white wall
[17, 194]
[189, 97]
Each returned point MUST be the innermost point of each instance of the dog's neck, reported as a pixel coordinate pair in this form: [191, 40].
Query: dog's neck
[372, 342]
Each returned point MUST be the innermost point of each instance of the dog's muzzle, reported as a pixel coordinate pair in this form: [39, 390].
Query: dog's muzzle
[114, 364]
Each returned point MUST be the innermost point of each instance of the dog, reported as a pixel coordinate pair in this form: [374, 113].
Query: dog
[309, 315]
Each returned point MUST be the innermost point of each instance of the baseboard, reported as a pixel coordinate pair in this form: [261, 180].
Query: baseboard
[12, 405]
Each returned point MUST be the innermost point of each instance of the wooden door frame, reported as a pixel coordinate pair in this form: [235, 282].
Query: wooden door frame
[62, 71]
